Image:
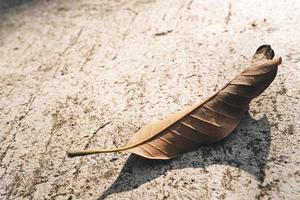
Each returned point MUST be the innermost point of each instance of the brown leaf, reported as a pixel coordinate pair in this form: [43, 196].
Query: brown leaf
[203, 123]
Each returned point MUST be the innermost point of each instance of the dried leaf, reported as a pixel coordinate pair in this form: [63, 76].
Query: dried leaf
[204, 123]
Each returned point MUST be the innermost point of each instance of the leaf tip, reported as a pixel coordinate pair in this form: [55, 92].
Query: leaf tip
[279, 61]
[264, 52]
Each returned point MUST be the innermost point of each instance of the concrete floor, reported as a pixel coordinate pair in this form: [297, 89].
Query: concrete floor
[83, 74]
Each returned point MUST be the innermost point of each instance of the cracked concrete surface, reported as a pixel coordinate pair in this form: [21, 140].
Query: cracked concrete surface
[83, 74]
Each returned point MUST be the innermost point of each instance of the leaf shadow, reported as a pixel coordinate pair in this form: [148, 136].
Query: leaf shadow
[246, 148]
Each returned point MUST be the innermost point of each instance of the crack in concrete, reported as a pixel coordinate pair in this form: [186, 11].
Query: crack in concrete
[229, 13]
[77, 167]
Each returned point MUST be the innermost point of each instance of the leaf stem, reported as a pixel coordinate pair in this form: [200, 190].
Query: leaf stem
[74, 153]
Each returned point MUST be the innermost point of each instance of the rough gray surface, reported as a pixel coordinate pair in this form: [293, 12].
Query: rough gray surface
[80, 74]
